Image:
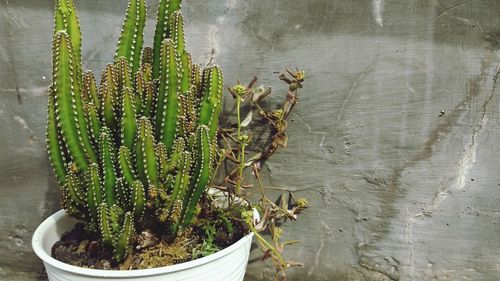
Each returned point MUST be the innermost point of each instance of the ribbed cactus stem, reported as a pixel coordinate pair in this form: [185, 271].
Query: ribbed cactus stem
[147, 57]
[128, 123]
[123, 194]
[73, 187]
[108, 92]
[66, 20]
[69, 109]
[151, 92]
[181, 183]
[202, 173]
[167, 114]
[145, 154]
[89, 91]
[107, 151]
[132, 35]
[161, 157]
[138, 200]
[195, 77]
[55, 145]
[211, 101]
[123, 76]
[139, 91]
[165, 9]
[126, 167]
[94, 192]
[105, 224]
[93, 121]
[177, 30]
[121, 246]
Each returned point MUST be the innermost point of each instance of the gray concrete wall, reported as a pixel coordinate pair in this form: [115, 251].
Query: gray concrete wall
[395, 142]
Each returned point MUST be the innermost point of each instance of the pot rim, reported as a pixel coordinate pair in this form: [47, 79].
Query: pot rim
[38, 235]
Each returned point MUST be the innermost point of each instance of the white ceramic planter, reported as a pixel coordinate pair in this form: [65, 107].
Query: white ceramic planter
[228, 264]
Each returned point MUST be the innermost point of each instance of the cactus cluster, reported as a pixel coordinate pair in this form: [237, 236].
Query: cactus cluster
[135, 149]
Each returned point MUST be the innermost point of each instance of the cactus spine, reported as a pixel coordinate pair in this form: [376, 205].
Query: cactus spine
[137, 150]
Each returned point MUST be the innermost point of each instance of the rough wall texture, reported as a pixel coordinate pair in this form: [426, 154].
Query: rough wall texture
[395, 142]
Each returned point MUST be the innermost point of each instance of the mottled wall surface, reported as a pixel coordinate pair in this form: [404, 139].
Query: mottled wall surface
[395, 142]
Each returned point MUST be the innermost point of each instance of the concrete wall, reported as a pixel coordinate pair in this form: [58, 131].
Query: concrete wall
[395, 142]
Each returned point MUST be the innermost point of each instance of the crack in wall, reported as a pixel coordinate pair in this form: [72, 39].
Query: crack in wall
[311, 130]
[469, 155]
[470, 151]
[355, 84]
[448, 9]
[409, 240]
[369, 264]
[316, 258]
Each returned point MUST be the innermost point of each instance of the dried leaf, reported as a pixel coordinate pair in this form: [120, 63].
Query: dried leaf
[282, 201]
[280, 125]
[233, 94]
[265, 94]
[280, 139]
[256, 157]
[290, 263]
[127, 263]
[231, 157]
[260, 93]
[261, 225]
[247, 120]
[256, 217]
[266, 255]
[247, 186]
[250, 85]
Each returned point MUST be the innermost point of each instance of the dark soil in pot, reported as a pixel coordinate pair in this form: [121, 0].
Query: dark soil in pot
[82, 248]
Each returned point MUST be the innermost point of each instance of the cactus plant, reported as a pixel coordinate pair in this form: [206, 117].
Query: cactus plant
[138, 148]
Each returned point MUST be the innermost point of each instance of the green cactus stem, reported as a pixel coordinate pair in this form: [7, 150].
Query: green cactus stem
[182, 179]
[68, 102]
[167, 111]
[122, 245]
[105, 224]
[89, 92]
[128, 123]
[150, 95]
[132, 36]
[162, 31]
[108, 166]
[73, 186]
[94, 191]
[139, 200]
[123, 76]
[211, 101]
[202, 173]
[108, 92]
[139, 91]
[55, 144]
[125, 164]
[66, 20]
[123, 194]
[73, 198]
[177, 30]
[93, 120]
[145, 154]
[147, 57]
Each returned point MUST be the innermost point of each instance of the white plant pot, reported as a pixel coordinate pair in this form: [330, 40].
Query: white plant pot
[228, 264]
